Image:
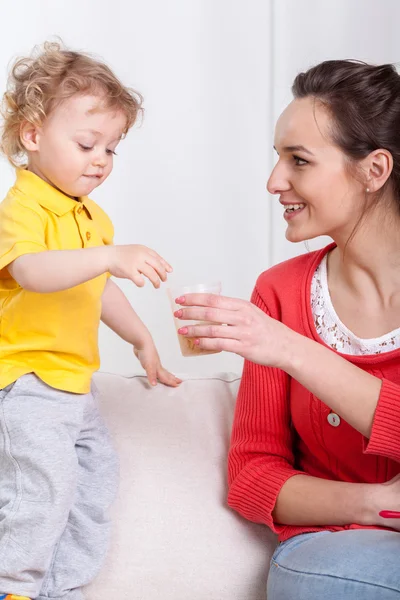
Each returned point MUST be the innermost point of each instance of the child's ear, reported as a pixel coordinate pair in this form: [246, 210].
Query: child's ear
[29, 136]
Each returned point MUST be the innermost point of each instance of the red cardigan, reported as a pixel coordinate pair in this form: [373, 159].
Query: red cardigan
[280, 429]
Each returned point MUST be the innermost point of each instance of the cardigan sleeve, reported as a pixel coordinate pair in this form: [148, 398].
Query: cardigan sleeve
[385, 433]
[261, 455]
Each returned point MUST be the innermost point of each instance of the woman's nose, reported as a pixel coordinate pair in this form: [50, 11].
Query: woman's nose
[278, 181]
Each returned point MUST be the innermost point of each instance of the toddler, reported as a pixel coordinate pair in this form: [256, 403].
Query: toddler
[64, 116]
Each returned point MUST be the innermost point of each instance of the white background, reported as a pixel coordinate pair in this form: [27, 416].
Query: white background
[190, 182]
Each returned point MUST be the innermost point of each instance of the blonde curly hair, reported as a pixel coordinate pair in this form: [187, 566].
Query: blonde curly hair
[39, 83]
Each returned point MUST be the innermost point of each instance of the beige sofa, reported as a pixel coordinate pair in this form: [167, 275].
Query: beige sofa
[174, 538]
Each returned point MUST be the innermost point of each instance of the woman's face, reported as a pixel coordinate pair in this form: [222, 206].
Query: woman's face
[317, 191]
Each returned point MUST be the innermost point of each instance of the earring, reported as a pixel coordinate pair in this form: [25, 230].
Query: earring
[367, 190]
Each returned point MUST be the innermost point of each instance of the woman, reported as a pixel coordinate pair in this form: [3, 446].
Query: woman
[315, 447]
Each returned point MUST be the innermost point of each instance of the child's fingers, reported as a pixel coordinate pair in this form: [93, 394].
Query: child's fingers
[151, 373]
[137, 279]
[162, 260]
[151, 275]
[168, 378]
[158, 266]
[167, 266]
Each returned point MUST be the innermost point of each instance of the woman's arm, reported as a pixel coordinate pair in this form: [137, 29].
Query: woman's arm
[264, 485]
[306, 500]
[369, 404]
[345, 388]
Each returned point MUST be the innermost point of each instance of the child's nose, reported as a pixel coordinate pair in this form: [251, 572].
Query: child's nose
[100, 160]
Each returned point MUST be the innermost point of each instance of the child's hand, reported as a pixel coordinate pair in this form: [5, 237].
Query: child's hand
[135, 261]
[150, 361]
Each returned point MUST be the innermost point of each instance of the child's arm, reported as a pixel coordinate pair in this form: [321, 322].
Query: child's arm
[56, 270]
[118, 315]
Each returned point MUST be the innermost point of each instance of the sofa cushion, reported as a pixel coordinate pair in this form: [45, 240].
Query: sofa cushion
[174, 538]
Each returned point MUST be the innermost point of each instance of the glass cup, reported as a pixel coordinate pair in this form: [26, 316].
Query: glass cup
[187, 345]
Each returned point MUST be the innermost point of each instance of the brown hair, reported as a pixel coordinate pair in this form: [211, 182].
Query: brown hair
[37, 84]
[364, 102]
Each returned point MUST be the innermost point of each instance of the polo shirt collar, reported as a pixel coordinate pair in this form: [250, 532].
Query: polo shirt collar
[46, 195]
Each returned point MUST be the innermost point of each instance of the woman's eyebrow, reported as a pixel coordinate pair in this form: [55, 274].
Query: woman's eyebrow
[298, 148]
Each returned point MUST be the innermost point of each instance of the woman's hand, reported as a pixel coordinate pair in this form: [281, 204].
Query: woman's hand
[385, 496]
[246, 329]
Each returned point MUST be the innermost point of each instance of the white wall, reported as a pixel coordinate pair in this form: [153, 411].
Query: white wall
[191, 181]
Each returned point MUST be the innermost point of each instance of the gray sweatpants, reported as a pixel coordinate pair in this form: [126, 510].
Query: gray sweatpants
[58, 476]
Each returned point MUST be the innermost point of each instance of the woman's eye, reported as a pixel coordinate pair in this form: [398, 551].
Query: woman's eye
[85, 148]
[111, 152]
[299, 161]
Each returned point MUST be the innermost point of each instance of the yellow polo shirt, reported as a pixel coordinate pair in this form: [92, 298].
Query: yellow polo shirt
[53, 335]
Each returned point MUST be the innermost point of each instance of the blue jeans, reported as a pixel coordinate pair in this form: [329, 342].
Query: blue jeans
[342, 565]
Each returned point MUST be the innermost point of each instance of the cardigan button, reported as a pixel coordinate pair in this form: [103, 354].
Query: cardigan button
[333, 419]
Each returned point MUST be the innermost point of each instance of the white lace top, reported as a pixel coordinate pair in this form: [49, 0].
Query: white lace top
[333, 332]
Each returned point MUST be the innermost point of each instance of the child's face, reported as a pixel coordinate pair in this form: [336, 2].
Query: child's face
[74, 148]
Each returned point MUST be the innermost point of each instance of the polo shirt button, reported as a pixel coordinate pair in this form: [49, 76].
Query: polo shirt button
[80, 209]
[333, 419]
[88, 235]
